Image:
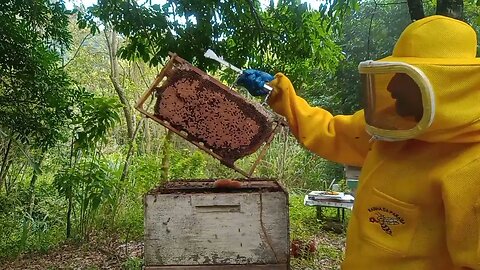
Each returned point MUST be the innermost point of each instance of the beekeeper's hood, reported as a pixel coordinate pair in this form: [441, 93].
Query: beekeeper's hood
[429, 89]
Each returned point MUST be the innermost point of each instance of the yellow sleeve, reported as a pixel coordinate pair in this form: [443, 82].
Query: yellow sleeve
[340, 138]
[460, 194]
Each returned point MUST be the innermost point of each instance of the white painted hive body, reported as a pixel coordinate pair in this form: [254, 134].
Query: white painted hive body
[191, 225]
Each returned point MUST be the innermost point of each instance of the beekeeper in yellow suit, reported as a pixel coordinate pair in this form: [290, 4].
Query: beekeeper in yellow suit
[418, 143]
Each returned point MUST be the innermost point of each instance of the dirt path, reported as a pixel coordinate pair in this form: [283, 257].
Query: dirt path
[109, 255]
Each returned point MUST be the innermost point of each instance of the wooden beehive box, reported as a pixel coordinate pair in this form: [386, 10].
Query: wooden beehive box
[192, 225]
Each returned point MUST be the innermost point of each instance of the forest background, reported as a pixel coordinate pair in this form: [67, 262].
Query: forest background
[76, 158]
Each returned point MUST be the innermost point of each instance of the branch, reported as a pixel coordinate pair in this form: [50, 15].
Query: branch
[113, 47]
[10, 101]
[22, 149]
[254, 13]
[371, 20]
[370, 29]
[258, 21]
[77, 51]
[142, 75]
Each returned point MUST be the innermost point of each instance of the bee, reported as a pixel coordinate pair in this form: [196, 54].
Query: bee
[385, 222]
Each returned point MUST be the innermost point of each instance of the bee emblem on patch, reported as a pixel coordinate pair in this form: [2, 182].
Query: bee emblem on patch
[385, 218]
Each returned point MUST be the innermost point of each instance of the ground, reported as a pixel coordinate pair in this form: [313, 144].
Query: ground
[113, 254]
[101, 255]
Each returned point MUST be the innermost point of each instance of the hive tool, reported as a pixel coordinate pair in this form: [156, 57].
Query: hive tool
[212, 55]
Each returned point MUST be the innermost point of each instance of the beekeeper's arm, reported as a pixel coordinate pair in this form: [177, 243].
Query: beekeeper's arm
[462, 213]
[338, 138]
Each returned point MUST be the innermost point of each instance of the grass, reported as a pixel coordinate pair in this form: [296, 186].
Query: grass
[304, 226]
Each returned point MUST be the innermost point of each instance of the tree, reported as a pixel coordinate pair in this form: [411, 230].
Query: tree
[449, 8]
[112, 43]
[35, 93]
[415, 9]
[369, 33]
[287, 36]
[84, 180]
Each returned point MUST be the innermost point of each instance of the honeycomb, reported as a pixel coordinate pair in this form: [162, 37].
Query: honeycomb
[211, 114]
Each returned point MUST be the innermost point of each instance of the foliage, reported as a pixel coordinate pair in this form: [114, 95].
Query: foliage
[145, 173]
[368, 34]
[97, 117]
[304, 222]
[133, 264]
[187, 165]
[88, 184]
[304, 226]
[287, 36]
[88, 181]
[35, 94]
[46, 222]
[297, 167]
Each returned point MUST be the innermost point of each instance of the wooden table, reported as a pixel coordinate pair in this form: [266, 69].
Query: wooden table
[341, 202]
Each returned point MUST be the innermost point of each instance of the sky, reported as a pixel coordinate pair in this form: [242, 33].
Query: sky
[313, 3]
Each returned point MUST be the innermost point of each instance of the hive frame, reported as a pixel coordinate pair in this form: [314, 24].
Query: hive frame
[140, 107]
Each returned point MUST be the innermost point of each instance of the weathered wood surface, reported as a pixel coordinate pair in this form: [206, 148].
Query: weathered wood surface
[216, 229]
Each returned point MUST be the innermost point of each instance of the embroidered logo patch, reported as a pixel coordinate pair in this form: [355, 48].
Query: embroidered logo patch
[385, 218]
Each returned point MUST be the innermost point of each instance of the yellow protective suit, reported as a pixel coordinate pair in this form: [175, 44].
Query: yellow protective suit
[418, 201]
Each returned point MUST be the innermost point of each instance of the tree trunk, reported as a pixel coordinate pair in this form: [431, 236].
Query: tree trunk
[129, 156]
[450, 8]
[112, 43]
[69, 217]
[166, 155]
[10, 181]
[3, 176]
[26, 222]
[147, 138]
[5, 163]
[415, 8]
[69, 194]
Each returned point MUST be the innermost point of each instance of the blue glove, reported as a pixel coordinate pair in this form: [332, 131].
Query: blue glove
[254, 80]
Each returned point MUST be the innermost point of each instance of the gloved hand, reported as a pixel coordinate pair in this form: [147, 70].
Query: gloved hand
[254, 80]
